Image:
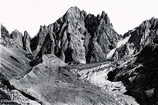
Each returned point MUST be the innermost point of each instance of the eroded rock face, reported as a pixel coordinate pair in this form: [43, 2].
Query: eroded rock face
[138, 38]
[76, 37]
[138, 70]
[97, 75]
[140, 75]
[52, 85]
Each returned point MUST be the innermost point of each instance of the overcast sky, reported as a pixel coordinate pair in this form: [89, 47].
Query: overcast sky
[30, 14]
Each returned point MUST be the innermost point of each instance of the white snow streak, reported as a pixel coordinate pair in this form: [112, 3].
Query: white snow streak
[119, 44]
[122, 42]
[111, 53]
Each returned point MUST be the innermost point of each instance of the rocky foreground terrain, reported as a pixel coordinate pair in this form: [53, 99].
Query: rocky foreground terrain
[80, 60]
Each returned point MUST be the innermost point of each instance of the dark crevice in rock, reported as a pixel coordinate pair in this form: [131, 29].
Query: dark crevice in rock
[34, 43]
[35, 61]
[91, 23]
[14, 59]
[30, 97]
[68, 55]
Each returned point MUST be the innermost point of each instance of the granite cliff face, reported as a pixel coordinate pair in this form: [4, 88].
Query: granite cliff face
[80, 60]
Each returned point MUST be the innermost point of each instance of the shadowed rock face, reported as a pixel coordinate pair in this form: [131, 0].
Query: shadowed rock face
[146, 33]
[80, 60]
[140, 68]
[140, 75]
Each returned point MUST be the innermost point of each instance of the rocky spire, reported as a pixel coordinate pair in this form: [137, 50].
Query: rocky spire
[17, 37]
[26, 42]
[4, 32]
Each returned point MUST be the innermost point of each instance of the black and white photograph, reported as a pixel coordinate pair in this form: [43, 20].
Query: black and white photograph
[78, 52]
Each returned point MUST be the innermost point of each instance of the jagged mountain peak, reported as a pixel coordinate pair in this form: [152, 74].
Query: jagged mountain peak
[75, 35]
[106, 18]
[15, 33]
[26, 33]
[146, 33]
[73, 10]
[150, 24]
[4, 31]
[73, 14]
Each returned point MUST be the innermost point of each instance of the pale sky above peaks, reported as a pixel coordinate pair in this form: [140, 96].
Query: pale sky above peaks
[30, 14]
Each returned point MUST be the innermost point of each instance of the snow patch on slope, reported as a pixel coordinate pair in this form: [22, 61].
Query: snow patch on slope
[111, 53]
[122, 42]
[119, 44]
